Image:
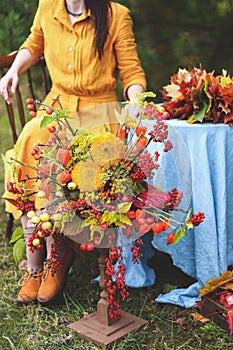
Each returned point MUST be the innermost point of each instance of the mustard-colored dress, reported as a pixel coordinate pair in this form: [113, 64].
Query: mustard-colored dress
[79, 78]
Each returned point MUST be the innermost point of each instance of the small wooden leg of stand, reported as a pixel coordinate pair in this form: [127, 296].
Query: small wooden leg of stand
[98, 327]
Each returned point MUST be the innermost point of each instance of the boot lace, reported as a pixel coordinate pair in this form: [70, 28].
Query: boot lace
[29, 274]
[47, 267]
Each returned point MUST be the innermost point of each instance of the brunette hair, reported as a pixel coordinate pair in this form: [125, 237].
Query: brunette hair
[100, 12]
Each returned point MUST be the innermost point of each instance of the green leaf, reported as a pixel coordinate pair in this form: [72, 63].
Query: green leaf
[206, 104]
[19, 250]
[123, 220]
[124, 207]
[204, 98]
[198, 116]
[47, 120]
[190, 213]
[188, 225]
[17, 234]
[179, 234]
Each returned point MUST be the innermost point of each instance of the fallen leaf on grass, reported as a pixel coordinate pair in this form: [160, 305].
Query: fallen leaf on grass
[180, 321]
[199, 318]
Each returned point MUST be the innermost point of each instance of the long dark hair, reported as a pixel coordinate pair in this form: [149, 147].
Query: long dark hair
[100, 12]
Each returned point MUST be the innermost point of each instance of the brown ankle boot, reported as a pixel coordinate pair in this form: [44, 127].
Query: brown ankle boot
[30, 287]
[53, 282]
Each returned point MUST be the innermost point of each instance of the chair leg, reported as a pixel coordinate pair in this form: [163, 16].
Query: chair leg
[9, 226]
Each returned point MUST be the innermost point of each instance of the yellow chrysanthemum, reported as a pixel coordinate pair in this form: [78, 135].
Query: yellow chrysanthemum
[108, 150]
[85, 175]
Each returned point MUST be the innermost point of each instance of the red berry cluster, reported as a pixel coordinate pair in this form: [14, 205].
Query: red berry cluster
[176, 197]
[87, 246]
[196, 219]
[30, 243]
[119, 284]
[147, 164]
[31, 107]
[36, 152]
[138, 174]
[167, 146]
[54, 256]
[159, 132]
[22, 202]
[11, 187]
[156, 113]
[136, 250]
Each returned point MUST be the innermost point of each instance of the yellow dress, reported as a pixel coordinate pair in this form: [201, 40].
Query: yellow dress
[79, 78]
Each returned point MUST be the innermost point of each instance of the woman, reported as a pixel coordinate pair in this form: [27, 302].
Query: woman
[85, 43]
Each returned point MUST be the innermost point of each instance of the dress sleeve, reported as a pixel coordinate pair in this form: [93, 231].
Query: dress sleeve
[35, 41]
[128, 63]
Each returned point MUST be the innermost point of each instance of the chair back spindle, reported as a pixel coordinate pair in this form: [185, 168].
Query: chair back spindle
[16, 110]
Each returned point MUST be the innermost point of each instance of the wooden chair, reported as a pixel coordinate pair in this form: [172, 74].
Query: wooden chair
[16, 110]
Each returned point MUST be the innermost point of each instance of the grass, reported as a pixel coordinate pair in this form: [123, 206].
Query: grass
[34, 327]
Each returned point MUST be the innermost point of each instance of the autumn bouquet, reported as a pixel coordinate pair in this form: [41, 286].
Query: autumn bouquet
[197, 95]
[97, 187]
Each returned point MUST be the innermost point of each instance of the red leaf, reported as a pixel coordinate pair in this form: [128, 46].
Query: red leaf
[229, 318]
[152, 197]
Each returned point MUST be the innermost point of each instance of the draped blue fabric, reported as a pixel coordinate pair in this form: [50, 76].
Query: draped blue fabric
[201, 166]
[208, 250]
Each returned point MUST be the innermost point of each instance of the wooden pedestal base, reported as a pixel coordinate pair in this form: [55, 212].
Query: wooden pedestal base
[89, 328]
[98, 327]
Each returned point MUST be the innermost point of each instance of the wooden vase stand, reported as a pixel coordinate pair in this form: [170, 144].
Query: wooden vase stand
[98, 327]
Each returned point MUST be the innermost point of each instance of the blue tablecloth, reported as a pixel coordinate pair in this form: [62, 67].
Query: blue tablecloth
[207, 251]
[201, 166]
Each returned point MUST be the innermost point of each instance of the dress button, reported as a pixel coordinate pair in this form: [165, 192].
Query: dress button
[69, 86]
[69, 67]
[70, 49]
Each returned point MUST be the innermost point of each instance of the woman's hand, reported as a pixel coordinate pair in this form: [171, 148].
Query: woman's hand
[9, 81]
[132, 107]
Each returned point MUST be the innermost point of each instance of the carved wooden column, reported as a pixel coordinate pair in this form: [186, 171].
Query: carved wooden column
[103, 305]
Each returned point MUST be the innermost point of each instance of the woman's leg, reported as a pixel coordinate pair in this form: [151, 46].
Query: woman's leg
[33, 276]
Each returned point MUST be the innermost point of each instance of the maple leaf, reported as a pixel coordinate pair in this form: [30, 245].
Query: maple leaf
[183, 75]
[173, 91]
[215, 283]
[224, 81]
[199, 318]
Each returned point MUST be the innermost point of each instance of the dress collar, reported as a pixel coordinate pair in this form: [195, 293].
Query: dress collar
[61, 14]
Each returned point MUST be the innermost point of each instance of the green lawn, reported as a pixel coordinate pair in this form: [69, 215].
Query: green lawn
[35, 327]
